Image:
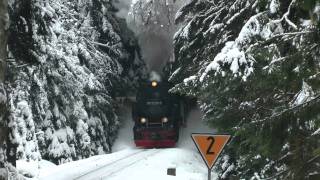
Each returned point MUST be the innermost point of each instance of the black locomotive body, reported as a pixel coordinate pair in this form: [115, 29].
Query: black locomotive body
[157, 115]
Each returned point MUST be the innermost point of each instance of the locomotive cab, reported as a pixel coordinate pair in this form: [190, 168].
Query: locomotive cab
[157, 116]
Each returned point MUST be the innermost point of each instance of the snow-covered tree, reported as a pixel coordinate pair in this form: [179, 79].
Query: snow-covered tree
[68, 59]
[7, 147]
[3, 97]
[254, 65]
[24, 128]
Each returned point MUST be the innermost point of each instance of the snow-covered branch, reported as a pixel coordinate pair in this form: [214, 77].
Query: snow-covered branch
[286, 18]
[309, 103]
[271, 39]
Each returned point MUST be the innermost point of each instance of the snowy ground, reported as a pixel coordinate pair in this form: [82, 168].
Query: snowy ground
[129, 162]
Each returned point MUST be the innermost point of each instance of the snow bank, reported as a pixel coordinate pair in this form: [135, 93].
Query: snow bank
[185, 158]
[32, 169]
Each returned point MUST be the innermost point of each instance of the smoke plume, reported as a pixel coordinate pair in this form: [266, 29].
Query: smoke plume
[153, 23]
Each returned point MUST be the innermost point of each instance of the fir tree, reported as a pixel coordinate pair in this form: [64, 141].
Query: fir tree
[3, 99]
[254, 67]
[68, 60]
[7, 146]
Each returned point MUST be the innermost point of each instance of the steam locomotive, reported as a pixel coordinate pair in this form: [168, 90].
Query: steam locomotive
[157, 115]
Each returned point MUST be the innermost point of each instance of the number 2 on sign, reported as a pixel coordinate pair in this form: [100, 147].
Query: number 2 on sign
[209, 150]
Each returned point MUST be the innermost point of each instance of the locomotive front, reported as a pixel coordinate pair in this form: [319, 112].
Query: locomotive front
[157, 116]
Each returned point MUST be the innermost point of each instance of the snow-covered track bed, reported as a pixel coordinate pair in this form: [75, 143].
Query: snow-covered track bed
[116, 166]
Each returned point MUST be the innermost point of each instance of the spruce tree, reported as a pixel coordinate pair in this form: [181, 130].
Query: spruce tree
[254, 67]
[68, 59]
[7, 146]
[4, 133]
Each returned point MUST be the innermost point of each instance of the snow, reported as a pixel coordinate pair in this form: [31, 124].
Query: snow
[189, 79]
[297, 69]
[129, 162]
[186, 30]
[305, 94]
[174, 73]
[229, 54]
[215, 27]
[316, 132]
[72, 83]
[305, 22]
[24, 132]
[229, 169]
[125, 135]
[286, 146]
[31, 168]
[60, 149]
[234, 52]
[286, 18]
[178, 15]
[253, 28]
[151, 164]
[274, 6]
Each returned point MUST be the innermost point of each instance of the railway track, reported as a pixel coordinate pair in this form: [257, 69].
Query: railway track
[112, 168]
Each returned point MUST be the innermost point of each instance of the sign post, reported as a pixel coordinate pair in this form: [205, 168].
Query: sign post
[210, 147]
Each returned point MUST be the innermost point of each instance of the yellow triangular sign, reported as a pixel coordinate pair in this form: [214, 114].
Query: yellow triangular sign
[210, 146]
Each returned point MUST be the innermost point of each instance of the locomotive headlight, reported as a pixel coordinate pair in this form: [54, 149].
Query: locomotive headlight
[143, 120]
[154, 83]
[164, 119]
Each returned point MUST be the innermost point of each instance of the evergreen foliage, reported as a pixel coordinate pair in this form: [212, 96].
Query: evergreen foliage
[68, 61]
[254, 66]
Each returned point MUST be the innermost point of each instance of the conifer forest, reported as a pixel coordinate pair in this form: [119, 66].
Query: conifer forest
[251, 67]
